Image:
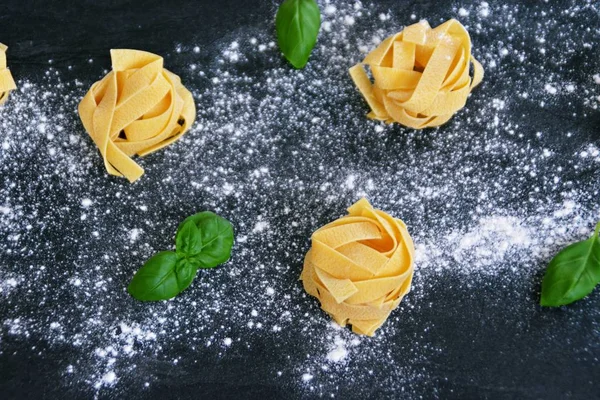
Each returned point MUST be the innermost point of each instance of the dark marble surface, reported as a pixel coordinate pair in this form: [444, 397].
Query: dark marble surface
[488, 352]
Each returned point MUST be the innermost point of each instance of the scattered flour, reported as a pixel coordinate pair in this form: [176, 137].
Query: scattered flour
[550, 89]
[134, 234]
[260, 226]
[339, 352]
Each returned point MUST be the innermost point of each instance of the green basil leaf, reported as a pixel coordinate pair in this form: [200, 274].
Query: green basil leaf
[573, 273]
[217, 239]
[185, 270]
[297, 23]
[162, 277]
[188, 241]
[203, 240]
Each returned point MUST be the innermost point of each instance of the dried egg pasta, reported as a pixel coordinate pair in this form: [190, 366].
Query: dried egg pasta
[6, 80]
[421, 75]
[138, 108]
[360, 267]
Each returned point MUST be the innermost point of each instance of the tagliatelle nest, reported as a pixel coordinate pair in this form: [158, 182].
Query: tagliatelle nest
[360, 267]
[421, 75]
[138, 108]
[6, 80]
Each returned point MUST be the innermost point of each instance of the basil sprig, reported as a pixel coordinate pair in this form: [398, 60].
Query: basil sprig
[573, 273]
[203, 240]
[297, 23]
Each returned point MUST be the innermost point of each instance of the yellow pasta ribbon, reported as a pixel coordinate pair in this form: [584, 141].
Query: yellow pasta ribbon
[360, 267]
[138, 108]
[6, 80]
[421, 75]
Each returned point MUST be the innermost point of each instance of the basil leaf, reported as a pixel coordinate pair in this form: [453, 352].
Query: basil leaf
[188, 241]
[186, 272]
[297, 23]
[162, 277]
[217, 239]
[573, 273]
[203, 240]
